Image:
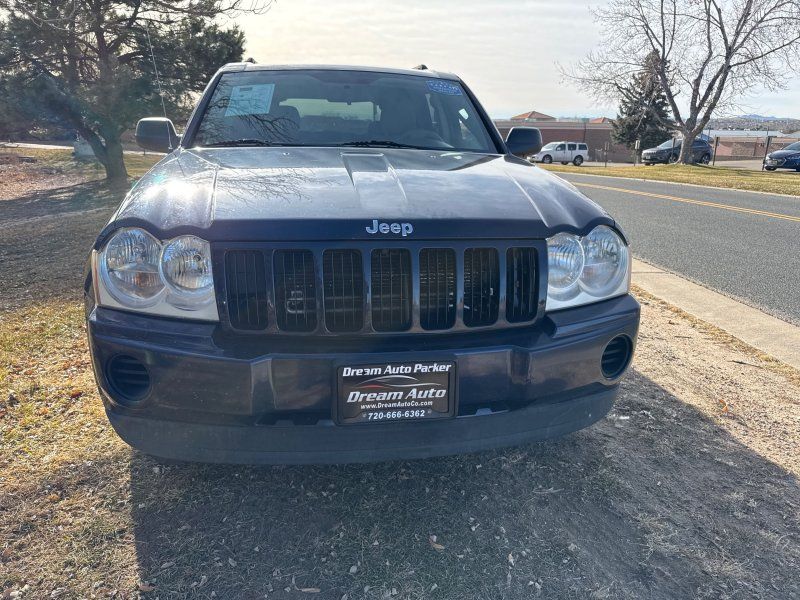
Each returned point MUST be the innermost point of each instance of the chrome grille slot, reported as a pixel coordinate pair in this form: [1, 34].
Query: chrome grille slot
[295, 290]
[246, 285]
[481, 286]
[437, 288]
[391, 290]
[520, 284]
[343, 287]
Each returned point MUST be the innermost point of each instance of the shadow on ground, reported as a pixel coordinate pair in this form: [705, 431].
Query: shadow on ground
[657, 501]
[45, 240]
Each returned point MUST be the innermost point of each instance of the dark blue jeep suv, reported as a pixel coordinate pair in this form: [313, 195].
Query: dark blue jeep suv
[339, 264]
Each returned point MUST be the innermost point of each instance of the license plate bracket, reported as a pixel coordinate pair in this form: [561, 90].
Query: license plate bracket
[396, 391]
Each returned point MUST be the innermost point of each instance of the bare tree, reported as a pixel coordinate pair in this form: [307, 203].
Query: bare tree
[708, 53]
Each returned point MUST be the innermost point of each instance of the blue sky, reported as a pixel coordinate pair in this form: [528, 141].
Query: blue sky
[507, 51]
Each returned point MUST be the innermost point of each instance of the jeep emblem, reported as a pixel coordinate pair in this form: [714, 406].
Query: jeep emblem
[405, 229]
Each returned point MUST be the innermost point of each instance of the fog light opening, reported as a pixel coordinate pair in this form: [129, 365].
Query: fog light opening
[616, 357]
[129, 378]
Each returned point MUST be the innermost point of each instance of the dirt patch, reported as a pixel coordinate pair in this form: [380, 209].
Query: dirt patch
[671, 496]
[688, 489]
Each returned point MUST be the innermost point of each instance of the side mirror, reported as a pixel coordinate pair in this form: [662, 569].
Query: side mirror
[524, 141]
[157, 134]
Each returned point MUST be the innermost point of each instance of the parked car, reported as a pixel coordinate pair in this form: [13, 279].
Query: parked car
[338, 264]
[563, 152]
[670, 150]
[788, 158]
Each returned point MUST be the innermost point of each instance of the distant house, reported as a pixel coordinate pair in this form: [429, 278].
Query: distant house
[601, 120]
[533, 116]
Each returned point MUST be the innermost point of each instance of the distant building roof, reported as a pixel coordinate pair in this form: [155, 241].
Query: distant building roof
[601, 120]
[533, 116]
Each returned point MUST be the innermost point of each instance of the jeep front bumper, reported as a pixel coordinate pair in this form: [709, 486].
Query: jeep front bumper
[271, 401]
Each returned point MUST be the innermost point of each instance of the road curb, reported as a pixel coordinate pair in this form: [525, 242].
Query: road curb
[764, 332]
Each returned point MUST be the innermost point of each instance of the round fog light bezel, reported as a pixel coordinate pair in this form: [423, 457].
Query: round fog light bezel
[622, 366]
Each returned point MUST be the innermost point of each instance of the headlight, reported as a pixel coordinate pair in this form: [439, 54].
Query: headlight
[186, 267]
[130, 267]
[588, 269]
[606, 262]
[565, 259]
[138, 272]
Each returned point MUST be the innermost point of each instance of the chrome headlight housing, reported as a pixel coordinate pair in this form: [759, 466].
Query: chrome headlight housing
[135, 271]
[586, 269]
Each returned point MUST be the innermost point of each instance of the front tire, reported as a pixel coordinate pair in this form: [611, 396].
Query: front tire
[577, 161]
[772, 169]
[705, 159]
[673, 158]
[547, 159]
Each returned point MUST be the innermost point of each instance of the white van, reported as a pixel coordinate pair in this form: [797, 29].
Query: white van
[563, 152]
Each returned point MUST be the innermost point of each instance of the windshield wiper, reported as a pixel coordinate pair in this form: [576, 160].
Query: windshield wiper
[380, 144]
[239, 142]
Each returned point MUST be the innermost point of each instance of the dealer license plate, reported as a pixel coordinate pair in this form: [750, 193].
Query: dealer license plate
[408, 391]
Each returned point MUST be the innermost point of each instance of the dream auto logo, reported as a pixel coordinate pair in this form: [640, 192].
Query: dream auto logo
[404, 229]
[395, 387]
[394, 382]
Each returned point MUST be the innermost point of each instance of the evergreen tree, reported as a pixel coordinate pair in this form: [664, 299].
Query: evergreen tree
[87, 64]
[643, 111]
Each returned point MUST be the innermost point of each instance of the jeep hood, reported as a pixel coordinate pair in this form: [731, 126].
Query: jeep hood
[288, 194]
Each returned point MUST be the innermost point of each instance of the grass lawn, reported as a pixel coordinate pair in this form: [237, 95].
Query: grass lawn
[777, 182]
[62, 161]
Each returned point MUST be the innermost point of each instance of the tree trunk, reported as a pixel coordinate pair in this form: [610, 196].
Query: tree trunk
[107, 150]
[115, 161]
[686, 155]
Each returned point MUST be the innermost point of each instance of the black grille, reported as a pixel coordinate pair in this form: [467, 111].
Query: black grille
[481, 286]
[295, 290]
[129, 378]
[367, 290]
[437, 288]
[246, 284]
[520, 284]
[343, 284]
[391, 290]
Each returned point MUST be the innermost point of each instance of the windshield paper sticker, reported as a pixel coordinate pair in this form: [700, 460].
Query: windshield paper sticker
[441, 86]
[250, 100]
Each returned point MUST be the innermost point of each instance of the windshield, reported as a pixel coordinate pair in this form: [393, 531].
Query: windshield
[341, 108]
[795, 146]
[550, 146]
[669, 144]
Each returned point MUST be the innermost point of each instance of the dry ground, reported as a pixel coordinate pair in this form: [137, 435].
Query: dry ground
[688, 489]
[776, 182]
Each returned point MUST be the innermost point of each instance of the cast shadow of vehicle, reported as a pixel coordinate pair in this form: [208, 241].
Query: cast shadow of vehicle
[655, 501]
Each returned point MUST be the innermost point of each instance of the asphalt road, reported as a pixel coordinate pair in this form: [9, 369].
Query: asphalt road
[743, 244]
